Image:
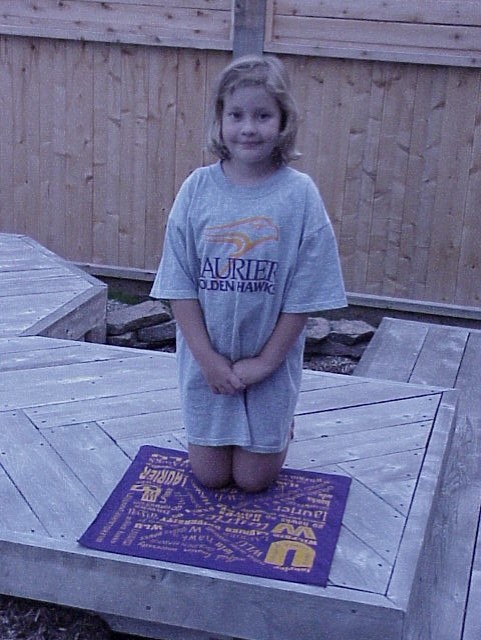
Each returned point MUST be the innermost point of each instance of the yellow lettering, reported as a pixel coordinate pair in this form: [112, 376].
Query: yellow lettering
[297, 532]
[150, 493]
[303, 554]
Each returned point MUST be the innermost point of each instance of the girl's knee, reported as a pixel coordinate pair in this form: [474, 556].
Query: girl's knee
[255, 472]
[253, 485]
[211, 466]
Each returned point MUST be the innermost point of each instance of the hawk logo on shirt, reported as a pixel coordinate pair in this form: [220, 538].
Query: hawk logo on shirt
[235, 272]
[244, 235]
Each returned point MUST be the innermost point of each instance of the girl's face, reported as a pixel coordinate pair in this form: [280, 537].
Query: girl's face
[251, 122]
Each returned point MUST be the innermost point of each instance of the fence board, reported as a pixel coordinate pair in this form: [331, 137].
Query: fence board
[23, 76]
[55, 113]
[107, 86]
[442, 32]
[162, 102]
[469, 269]
[133, 144]
[360, 186]
[420, 185]
[6, 139]
[455, 150]
[392, 164]
[190, 24]
[450, 12]
[366, 39]
[190, 122]
[79, 106]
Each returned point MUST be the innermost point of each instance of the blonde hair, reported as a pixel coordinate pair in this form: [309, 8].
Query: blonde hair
[254, 70]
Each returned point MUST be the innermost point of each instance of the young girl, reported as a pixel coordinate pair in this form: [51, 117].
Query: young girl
[249, 253]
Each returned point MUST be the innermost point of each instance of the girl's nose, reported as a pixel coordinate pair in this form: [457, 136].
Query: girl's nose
[248, 125]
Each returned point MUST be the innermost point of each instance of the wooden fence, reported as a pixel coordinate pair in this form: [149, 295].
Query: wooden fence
[102, 106]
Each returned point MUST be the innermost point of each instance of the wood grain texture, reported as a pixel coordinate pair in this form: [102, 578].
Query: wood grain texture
[72, 416]
[411, 11]
[448, 356]
[96, 151]
[41, 294]
[166, 23]
[83, 412]
[428, 32]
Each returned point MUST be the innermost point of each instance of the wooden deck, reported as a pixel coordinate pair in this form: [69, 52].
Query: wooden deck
[41, 294]
[73, 415]
[423, 353]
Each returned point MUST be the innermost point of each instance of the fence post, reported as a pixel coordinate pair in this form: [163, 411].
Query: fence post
[249, 27]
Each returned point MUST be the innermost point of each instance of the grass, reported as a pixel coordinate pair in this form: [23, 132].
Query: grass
[125, 298]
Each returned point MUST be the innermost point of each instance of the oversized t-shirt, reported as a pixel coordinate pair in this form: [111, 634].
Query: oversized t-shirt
[247, 254]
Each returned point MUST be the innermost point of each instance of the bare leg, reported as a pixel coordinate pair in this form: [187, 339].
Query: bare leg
[212, 466]
[254, 472]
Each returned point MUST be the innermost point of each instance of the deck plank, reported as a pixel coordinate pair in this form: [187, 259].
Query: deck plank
[472, 624]
[346, 447]
[352, 557]
[366, 416]
[16, 513]
[151, 592]
[392, 476]
[108, 407]
[45, 281]
[357, 395]
[369, 509]
[392, 353]
[106, 378]
[52, 491]
[469, 477]
[145, 425]
[92, 456]
[40, 358]
[441, 356]
[33, 352]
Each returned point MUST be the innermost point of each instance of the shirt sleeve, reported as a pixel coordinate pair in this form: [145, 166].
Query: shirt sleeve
[176, 278]
[316, 282]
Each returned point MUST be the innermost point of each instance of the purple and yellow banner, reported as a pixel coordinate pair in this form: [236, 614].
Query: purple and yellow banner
[159, 511]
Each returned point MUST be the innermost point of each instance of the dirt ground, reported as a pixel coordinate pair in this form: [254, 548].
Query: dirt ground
[28, 620]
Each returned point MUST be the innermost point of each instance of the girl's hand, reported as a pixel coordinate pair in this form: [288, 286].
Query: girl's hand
[252, 370]
[287, 330]
[216, 368]
[220, 376]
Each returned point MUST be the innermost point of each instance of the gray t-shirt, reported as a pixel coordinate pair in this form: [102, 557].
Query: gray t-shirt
[247, 253]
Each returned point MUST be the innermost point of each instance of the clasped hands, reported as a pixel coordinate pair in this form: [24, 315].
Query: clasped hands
[227, 378]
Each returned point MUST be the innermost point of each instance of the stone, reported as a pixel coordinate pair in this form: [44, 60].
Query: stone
[159, 334]
[345, 338]
[137, 316]
[331, 347]
[149, 325]
[350, 332]
[317, 330]
[128, 339]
